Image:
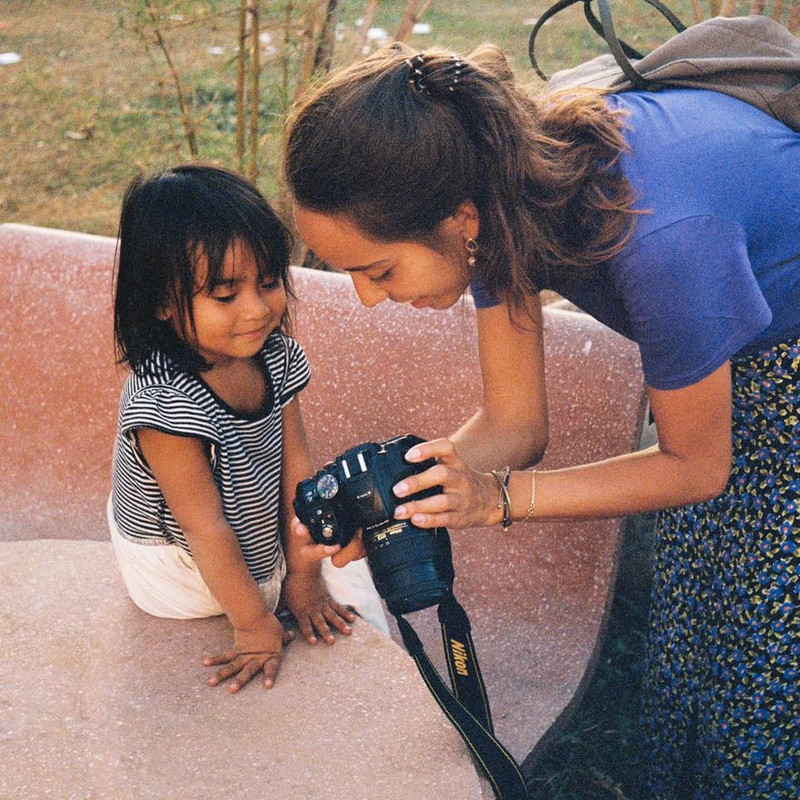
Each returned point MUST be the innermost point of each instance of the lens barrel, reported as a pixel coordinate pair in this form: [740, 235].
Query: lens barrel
[412, 567]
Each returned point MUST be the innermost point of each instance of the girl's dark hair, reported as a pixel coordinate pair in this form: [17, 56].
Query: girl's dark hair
[167, 219]
[398, 141]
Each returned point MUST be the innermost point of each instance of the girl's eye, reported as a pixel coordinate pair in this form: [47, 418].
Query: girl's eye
[224, 298]
[271, 284]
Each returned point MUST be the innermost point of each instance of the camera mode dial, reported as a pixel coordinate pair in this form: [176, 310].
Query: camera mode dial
[327, 487]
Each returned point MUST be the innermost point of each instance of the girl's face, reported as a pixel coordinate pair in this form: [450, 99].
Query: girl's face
[404, 272]
[233, 318]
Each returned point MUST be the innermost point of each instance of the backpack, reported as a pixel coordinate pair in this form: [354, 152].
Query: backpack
[752, 58]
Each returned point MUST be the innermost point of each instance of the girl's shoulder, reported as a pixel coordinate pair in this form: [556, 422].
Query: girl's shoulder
[159, 393]
[286, 362]
[281, 351]
[157, 373]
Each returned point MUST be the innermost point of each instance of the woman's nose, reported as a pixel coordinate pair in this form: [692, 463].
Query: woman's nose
[368, 292]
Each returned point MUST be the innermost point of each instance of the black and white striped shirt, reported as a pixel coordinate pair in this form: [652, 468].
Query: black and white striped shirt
[244, 452]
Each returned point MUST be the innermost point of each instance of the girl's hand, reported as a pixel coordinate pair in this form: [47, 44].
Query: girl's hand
[259, 649]
[313, 608]
[340, 556]
[468, 499]
[306, 553]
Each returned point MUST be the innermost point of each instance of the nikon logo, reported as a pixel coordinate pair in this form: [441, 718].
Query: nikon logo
[459, 657]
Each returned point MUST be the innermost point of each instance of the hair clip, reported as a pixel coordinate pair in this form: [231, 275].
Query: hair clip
[415, 65]
[454, 72]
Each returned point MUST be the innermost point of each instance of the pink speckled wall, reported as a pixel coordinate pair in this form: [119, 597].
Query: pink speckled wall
[537, 595]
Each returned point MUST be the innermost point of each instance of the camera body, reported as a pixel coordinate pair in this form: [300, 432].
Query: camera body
[412, 567]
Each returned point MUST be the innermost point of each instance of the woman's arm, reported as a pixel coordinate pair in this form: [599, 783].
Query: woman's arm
[511, 425]
[690, 464]
[180, 465]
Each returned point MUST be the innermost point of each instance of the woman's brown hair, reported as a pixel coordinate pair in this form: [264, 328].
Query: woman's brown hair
[398, 141]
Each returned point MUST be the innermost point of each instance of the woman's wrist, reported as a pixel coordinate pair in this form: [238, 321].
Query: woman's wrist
[514, 497]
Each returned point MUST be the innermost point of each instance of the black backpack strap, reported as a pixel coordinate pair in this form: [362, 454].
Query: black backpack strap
[604, 27]
[550, 12]
[497, 764]
[619, 50]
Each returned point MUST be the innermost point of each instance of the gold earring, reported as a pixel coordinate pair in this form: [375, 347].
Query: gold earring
[472, 248]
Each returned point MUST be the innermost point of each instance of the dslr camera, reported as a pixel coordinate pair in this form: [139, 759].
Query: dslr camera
[412, 567]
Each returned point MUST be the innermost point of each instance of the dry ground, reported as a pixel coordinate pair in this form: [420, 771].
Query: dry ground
[82, 111]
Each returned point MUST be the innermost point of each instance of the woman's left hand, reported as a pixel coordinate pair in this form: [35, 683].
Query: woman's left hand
[468, 498]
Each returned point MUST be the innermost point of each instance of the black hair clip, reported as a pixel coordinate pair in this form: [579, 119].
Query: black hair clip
[454, 73]
[415, 65]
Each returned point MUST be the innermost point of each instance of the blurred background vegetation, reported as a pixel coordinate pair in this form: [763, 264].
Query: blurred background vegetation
[93, 92]
[104, 89]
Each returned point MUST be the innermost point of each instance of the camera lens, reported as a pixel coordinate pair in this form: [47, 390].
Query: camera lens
[412, 567]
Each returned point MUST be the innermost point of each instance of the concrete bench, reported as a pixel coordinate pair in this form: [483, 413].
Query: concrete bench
[99, 700]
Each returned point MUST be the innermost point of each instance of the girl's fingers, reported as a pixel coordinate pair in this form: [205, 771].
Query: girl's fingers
[228, 671]
[243, 667]
[222, 658]
[323, 629]
[270, 668]
[353, 552]
[248, 671]
[338, 617]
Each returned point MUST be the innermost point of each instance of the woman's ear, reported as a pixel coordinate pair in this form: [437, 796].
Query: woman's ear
[468, 220]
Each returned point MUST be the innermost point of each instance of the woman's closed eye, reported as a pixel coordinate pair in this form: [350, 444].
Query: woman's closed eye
[382, 277]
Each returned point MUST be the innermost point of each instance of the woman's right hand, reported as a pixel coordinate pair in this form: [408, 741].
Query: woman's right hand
[468, 498]
[257, 649]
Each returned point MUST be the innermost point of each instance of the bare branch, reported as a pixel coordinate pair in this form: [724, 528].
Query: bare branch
[363, 28]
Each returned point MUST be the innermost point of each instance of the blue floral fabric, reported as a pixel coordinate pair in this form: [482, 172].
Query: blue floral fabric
[722, 688]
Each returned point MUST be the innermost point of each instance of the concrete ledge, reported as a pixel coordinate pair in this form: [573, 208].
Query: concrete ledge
[101, 701]
[99, 691]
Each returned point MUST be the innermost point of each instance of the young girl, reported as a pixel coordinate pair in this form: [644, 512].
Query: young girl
[210, 443]
[674, 218]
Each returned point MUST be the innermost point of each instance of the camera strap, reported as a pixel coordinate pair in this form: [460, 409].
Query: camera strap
[466, 705]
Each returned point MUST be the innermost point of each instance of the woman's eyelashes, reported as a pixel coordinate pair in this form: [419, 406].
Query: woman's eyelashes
[382, 277]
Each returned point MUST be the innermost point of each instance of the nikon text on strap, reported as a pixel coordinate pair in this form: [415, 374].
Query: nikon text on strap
[466, 704]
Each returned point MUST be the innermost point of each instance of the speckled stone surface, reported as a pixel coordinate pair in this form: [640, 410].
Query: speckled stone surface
[537, 596]
[98, 700]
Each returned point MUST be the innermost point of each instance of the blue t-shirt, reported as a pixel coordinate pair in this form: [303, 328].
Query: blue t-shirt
[713, 267]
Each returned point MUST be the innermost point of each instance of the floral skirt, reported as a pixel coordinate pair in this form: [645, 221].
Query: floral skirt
[722, 687]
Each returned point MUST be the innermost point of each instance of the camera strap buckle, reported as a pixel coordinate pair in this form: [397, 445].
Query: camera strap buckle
[466, 705]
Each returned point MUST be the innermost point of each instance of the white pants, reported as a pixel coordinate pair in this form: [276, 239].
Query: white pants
[163, 580]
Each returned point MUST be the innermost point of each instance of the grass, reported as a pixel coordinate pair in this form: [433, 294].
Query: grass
[83, 110]
[598, 755]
